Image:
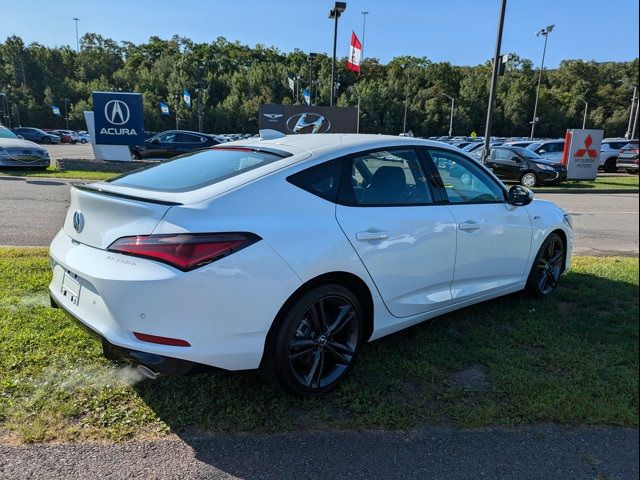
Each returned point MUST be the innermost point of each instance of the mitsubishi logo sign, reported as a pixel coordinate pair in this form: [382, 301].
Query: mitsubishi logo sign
[116, 112]
[592, 153]
[118, 118]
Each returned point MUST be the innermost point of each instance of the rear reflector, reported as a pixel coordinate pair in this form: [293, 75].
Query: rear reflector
[176, 342]
[184, 251]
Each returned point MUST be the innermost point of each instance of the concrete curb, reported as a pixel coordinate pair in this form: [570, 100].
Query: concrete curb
[585, 190]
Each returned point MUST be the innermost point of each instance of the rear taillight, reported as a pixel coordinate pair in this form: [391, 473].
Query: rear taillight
[184, 251]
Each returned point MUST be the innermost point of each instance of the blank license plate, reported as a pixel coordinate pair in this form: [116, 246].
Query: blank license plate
[71, 287]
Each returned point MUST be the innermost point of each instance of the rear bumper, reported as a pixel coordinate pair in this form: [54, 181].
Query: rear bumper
[160, 364]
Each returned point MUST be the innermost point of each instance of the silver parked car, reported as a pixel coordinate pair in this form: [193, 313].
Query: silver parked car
[549, 149]
[16, 152]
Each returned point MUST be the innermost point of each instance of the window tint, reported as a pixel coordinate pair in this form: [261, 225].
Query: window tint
[185, 138]
[504, 154]
[387, 177]
[197, 170]
[322, 180]
[464, 181]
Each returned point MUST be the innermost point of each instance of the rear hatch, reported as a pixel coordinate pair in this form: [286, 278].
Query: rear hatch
[98, 218]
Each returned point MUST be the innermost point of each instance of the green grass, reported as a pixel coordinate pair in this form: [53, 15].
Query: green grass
[571, 359]
[600, 183]
[52, 172]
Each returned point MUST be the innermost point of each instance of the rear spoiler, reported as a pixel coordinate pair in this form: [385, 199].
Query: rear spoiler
[97, 189]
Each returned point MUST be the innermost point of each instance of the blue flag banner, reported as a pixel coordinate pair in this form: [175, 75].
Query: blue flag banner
[186, 97]
[307, 96]
[55, 110]
[164, 108]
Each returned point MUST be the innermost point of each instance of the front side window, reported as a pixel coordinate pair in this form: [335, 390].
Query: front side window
[385, 177]
[464, 181]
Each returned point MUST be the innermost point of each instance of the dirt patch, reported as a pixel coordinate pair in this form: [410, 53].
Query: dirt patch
[474, 377]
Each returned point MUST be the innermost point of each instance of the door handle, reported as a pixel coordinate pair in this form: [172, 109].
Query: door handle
[469, 225]
[371, 236]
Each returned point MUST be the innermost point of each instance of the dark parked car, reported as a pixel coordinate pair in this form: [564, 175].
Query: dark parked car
[172, 143]
[521, 165]
[36, 135]
[16, 152]
[628, 157]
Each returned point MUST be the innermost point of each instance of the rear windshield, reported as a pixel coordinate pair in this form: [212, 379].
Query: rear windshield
[197, 170]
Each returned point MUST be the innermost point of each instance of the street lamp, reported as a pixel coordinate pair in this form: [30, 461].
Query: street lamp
[627, 135]
[66, 114]
[545, 33]
[334, 14]
[453, 103]
[75, 19]
[586, 106]
[312, 56]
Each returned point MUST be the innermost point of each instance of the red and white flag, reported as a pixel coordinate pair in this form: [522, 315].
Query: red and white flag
[355, 54]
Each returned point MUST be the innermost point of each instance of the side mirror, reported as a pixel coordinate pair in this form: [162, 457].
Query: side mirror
[20, 137]
[542, 150]
[520, 196]
[155, 141]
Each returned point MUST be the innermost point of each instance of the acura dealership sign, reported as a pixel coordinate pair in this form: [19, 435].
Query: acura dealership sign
[293, 119]
[118, 118]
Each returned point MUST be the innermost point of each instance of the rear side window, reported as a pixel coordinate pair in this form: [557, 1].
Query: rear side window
[322, 180]
[197, 170]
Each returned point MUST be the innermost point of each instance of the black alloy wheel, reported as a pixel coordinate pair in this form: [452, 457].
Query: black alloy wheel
[547, 268]
[46, 140]
[317, 342]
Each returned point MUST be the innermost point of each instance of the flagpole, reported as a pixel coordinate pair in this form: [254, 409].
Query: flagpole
[364, 26]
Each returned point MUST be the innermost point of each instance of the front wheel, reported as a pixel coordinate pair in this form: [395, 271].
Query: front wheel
[547, 267]
[610, 166]
[316, 341]
[46, 140]
[529, 180]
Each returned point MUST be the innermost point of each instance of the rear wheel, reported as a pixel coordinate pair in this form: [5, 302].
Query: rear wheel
[547, 267]
[45, 140]
[610, 165]
[529, 180]
[316, 341]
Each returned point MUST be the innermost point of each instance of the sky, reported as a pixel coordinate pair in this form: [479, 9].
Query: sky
[462, 32]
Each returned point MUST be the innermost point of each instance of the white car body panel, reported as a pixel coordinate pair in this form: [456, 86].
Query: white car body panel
[425, 267]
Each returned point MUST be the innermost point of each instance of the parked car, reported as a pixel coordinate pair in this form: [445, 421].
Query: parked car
[84, 137]
[519, 143]
[36, 135]
[549, 149]
[67, 136]
[628, 157]
[609, 153]
[16, 152]
[517, 164]
[288, 254]
[172, 143]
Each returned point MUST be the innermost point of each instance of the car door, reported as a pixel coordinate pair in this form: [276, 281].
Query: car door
[406, 242]
[493, 237]
[505, 164]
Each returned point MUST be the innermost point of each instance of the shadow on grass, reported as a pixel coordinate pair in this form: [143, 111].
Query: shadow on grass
[571, 359]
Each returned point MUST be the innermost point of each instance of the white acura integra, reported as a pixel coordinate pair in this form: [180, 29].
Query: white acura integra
[287, 254]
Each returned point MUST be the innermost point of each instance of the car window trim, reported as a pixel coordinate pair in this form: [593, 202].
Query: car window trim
[346, 175]
[442, 189]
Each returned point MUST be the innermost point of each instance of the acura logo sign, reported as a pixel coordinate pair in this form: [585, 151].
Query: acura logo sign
[78, 221]
[116, 112]
[308, 123]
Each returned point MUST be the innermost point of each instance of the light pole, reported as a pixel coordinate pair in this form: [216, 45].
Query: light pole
[453, 103]
[66, 113]
[627, 135]
[5, 109]
[406, 104]
[75, 19]
[312, 56]
[494, 81]
[334, 14]
[635, 121]
[545, 33]
[584, 117]
[364, 28]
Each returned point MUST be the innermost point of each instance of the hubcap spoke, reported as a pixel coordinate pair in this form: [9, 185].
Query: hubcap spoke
[316, 316]
[302, 353]
[344, 318]
[542, 281]
[340, 348]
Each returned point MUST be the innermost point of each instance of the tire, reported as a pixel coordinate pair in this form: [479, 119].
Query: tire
[529, 180]
[610, 165]
[83, 141]
[547, 267]
[632, 172]
[46, 140]
[315, 342]
[135, 155]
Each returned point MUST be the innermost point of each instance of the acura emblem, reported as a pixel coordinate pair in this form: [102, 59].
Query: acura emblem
[116, 112]
[78, 221]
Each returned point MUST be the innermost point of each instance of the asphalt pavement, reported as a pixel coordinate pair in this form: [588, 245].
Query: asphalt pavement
[32, 210]
[540, 452]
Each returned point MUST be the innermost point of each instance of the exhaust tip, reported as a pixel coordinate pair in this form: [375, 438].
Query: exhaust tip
[147, 372]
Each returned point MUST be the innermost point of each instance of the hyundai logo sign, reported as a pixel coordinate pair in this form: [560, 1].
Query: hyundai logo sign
[118, 118]
[116, 112]
[308, 123]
